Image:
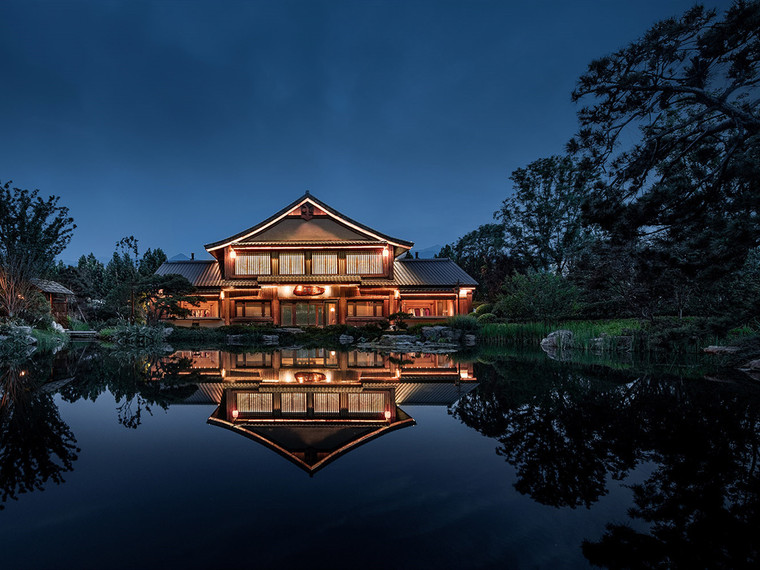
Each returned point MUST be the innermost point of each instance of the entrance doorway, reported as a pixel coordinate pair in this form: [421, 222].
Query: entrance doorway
[309, 313]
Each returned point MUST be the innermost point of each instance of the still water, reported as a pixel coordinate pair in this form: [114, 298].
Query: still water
[207, 459]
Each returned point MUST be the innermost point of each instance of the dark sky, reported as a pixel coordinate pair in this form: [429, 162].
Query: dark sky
[182, 123]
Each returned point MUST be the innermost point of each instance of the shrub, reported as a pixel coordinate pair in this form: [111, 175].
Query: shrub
[484, 309]
[138, 335]
[487, 318]
[463, 322]
[540, 296]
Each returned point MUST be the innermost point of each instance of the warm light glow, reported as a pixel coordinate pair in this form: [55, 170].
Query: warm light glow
[233, 254]
[387, 415]
[332, 353]
[396, 294]
[398, 373]
[221, 295]
[463, 293]
[464, 374]
[22, 373]
[234, 414]
[386, 252]
[224, 373]
[332, 309]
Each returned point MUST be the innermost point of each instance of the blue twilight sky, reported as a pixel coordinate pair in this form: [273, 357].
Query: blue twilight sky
[183, 122]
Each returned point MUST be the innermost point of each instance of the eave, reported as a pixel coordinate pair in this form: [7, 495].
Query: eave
[399, 244]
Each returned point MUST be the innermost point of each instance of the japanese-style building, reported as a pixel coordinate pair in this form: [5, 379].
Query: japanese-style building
[308, 264]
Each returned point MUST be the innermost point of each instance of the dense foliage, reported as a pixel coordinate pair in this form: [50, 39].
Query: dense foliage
[656, 209]
[33, 231]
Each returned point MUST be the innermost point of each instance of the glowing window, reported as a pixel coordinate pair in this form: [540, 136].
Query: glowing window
[252, 264]
[291, 264]
[324, 263]
[364, 263]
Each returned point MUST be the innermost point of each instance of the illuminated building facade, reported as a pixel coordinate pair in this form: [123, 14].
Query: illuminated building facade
[310, 265]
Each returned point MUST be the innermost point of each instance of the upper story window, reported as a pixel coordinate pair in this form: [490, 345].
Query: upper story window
[292, 264]
[364, 263]
[324, 263]
[253, 264]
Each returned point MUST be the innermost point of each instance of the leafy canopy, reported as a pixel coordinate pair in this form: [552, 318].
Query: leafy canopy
[686, 92]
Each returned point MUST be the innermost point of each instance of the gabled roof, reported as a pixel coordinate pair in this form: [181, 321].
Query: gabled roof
[332, 213]
[47, 286]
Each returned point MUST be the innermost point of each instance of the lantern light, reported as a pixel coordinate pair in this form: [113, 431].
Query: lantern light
[221, 295]
[233, 254]
[387, 414]
[234, 414]
[386, 252]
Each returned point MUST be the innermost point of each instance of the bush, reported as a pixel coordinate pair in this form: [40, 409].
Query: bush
[463, 323]
[137, 335]
[484, 309]
[487, 318]
[540, 296]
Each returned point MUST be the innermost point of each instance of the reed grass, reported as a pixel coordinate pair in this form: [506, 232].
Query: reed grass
[531, 333]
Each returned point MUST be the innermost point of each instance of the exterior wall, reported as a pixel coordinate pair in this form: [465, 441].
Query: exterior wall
[265, 306]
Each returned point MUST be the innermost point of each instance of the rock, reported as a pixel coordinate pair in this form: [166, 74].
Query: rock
[721, 349]
[432, 333]
[470, 340]
[270, 339]
[752, 366]
[345, 339]
[292, 330]
[558, 340]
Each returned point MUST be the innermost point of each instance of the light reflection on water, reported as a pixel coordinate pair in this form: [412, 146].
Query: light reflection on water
[591, 465]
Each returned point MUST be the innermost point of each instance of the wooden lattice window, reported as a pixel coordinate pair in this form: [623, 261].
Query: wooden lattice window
[364, 263]
[324, 263]
[291, 264]
[253, 264]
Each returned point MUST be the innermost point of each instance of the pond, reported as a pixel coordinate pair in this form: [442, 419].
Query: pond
[206, 458]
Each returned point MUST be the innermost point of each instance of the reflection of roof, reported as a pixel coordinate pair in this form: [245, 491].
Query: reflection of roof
[430, 393]
[47, 286]
[428, 273]
[312, 446]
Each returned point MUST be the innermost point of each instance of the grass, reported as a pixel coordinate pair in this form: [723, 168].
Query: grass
[531, 334]
[48, 341]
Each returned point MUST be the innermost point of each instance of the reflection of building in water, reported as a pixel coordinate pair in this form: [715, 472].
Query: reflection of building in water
[314, 405]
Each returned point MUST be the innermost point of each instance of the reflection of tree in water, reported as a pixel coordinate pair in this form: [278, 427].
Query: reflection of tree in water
[36, 445]
[138, 381]
[567, 432]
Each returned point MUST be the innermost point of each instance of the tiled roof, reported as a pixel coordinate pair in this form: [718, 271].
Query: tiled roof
[431, 274]
[51, 287]
[426, 273]
[200, 273]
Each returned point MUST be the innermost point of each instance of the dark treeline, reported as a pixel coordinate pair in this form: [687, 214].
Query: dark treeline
[126, 288]
[668, 225]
